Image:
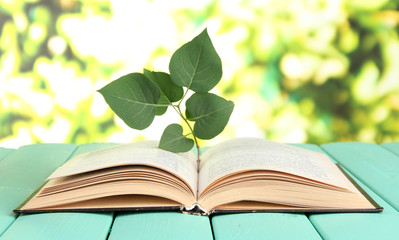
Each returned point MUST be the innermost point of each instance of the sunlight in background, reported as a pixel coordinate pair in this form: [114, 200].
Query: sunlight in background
[297, 71]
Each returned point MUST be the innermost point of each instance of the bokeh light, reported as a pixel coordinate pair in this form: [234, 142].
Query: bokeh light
[298, 71]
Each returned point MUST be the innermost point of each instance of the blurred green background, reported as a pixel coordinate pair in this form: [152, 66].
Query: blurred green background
[311, 71]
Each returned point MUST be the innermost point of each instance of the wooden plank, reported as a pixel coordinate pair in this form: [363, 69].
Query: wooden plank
[393, 147]
[263, 226]
[176, 225]
[22, 171]
[358, 225]
[41, 159]
[4, 152]
[160, 225]
[373, 165]
[61, 225]
[89, 147]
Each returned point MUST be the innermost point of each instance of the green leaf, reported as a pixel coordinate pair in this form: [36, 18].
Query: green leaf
[170, 92]
[210, 113]
[173, 139]
[133, 98]
[196, 65]
[163, 102]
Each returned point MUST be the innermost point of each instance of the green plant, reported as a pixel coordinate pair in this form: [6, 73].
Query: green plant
[137, 98]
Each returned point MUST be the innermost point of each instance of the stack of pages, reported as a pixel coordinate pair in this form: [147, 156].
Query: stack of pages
[239, 175]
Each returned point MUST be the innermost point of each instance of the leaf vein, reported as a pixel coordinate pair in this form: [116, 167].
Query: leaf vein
[210, 113]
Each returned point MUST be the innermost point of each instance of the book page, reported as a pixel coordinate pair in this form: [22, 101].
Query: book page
[243, 154]
[144, 152]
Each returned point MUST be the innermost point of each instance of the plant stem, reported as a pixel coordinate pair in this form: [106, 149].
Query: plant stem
[177, 108]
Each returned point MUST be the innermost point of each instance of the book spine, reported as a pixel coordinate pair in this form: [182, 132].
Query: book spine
[195, 209]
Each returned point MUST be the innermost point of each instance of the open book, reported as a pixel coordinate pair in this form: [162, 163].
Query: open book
[240, 175]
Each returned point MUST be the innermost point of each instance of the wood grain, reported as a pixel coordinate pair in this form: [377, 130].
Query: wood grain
[4, 152]
[393, 147]
[55, 225]
[22, 171]
[357, 225]
[160, 225]
[263, 226]
[375, 168]
[373, 165]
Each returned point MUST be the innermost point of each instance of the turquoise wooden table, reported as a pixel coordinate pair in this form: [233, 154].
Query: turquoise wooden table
[374, 167]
